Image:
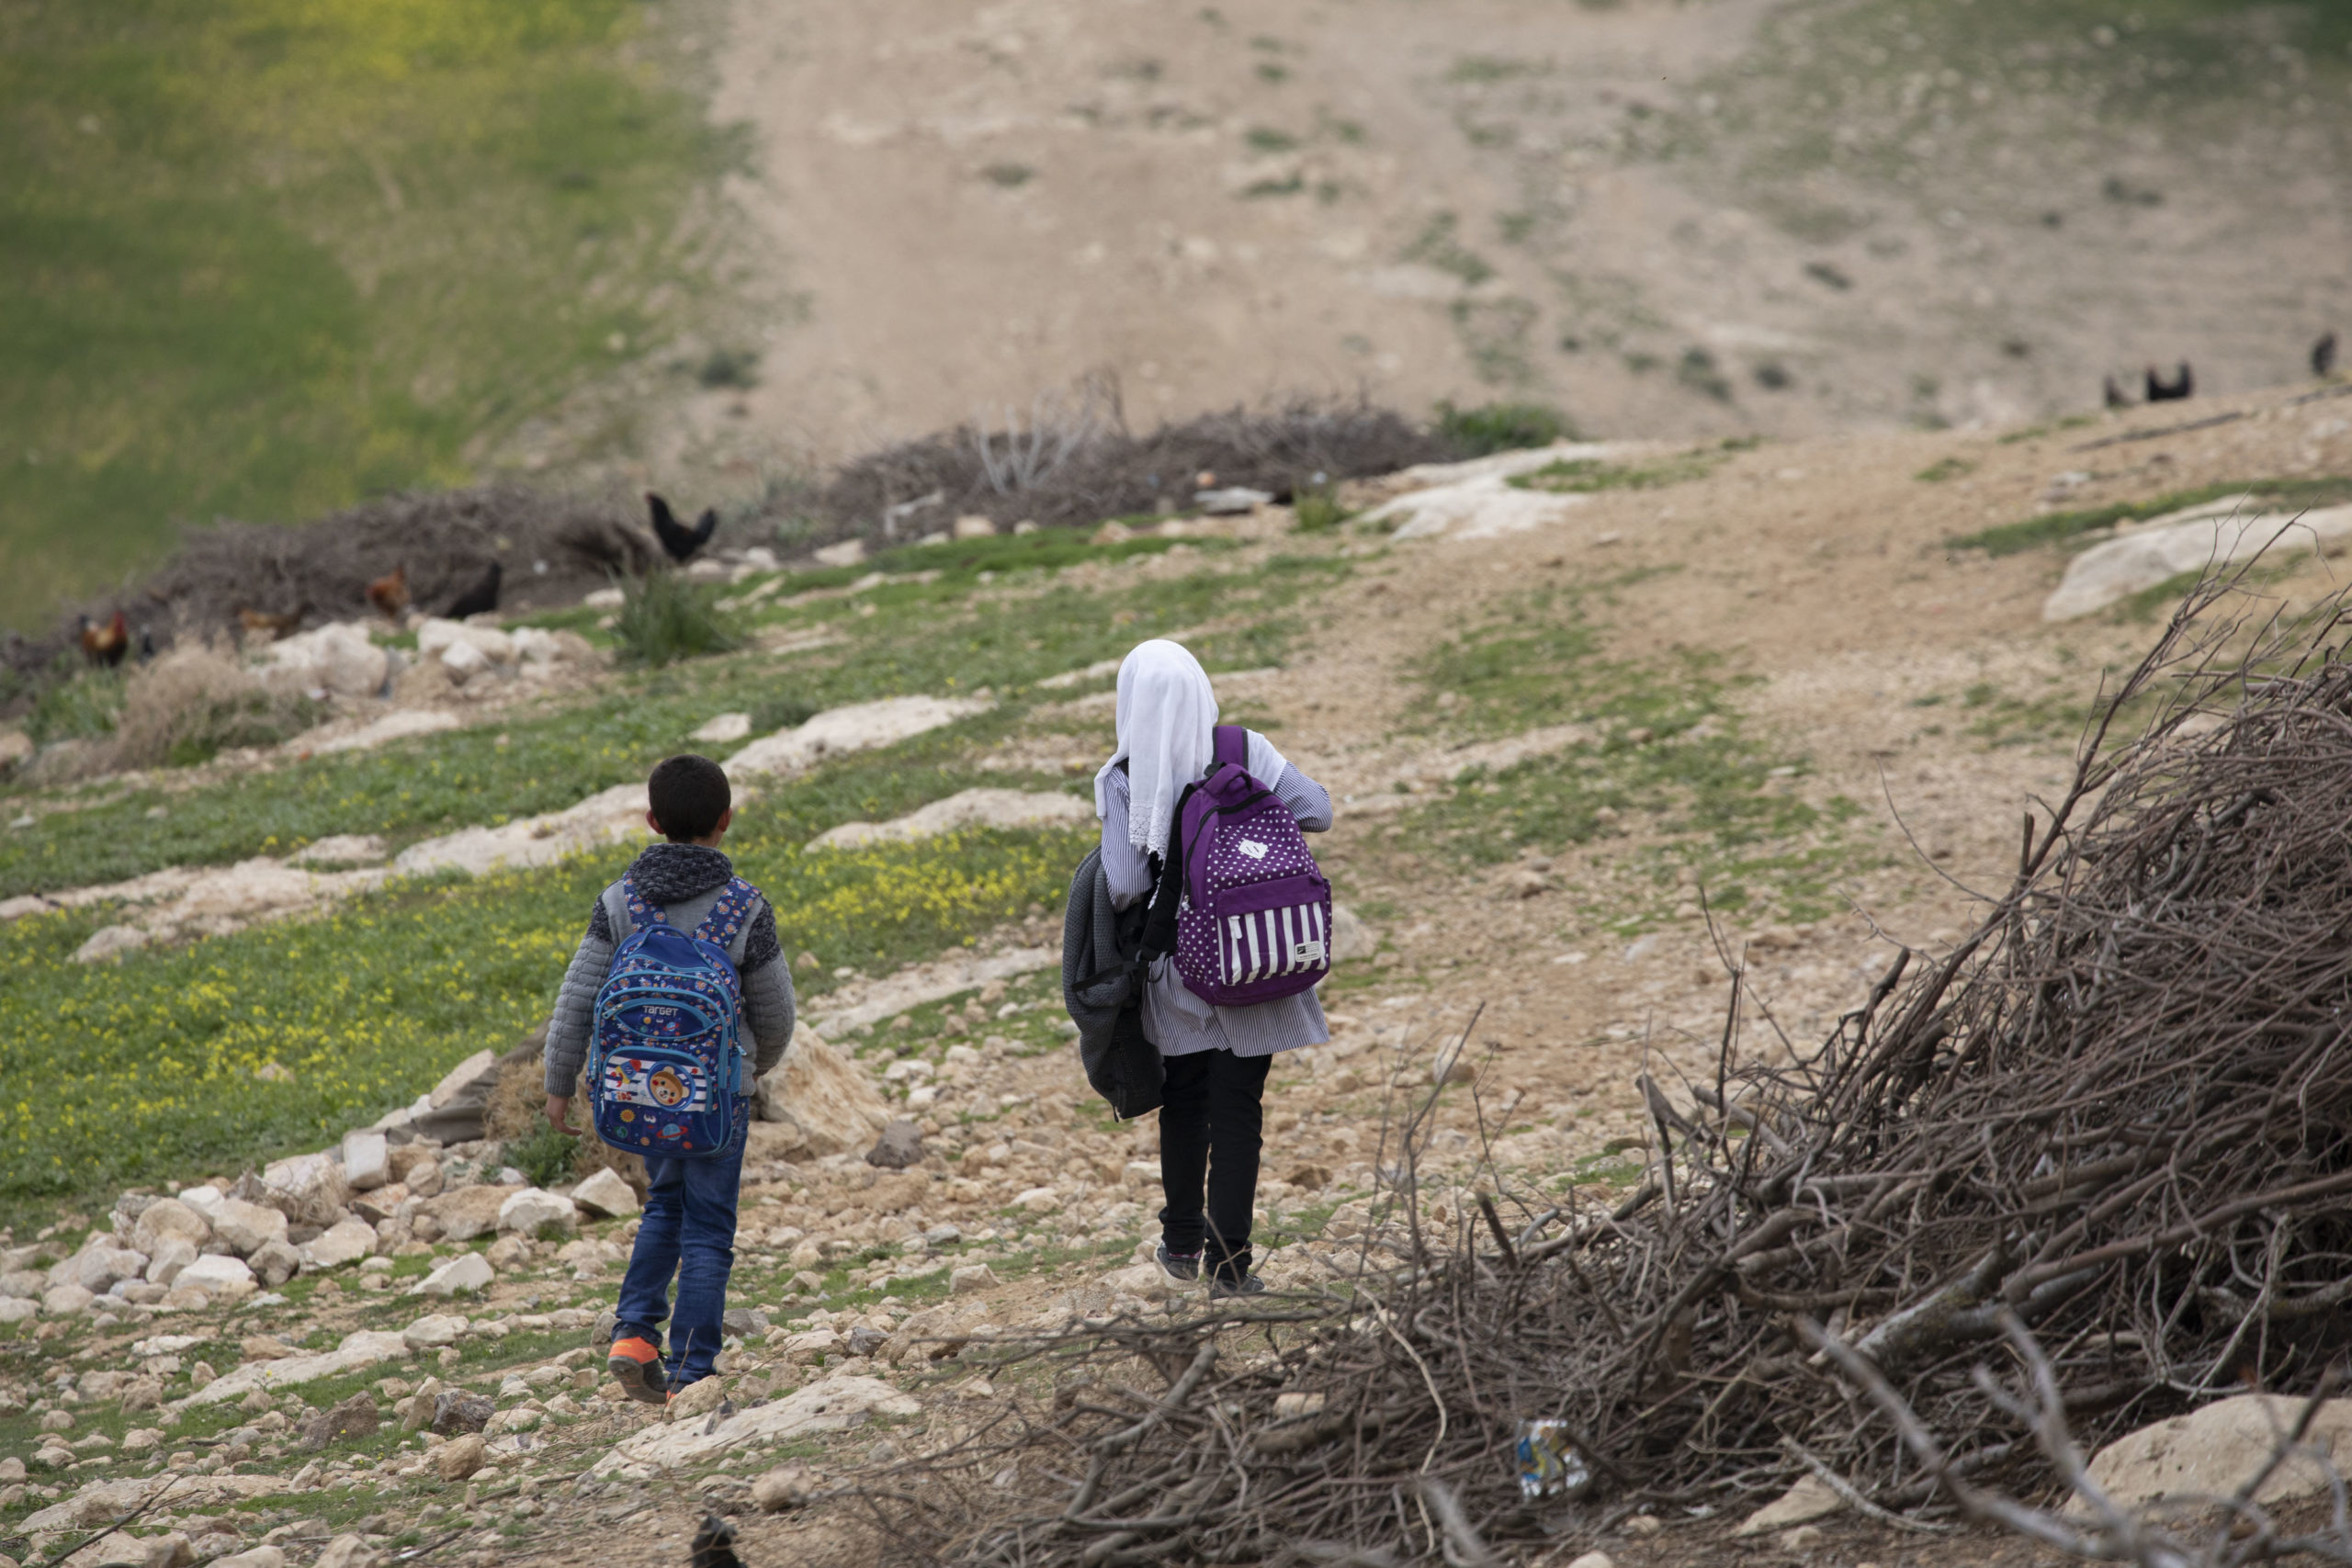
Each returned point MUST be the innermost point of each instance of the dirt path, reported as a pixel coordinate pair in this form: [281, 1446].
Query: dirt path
[1777, 215]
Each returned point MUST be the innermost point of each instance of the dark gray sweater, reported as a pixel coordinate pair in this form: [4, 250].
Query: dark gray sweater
[684, 881]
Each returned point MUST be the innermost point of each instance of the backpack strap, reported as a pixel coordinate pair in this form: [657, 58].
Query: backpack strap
[1167, 889]
[729, 923]
[621, 906]
[1231, 744]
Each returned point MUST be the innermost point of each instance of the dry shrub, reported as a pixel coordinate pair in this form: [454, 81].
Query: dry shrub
[195, 701]
[1074, 464]
[517, 1111]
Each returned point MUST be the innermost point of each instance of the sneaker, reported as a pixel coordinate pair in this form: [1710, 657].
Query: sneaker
[1184, 1268]
[636, 1365]
[1248, 1285]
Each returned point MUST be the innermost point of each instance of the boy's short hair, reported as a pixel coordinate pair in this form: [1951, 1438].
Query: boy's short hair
[688, 795]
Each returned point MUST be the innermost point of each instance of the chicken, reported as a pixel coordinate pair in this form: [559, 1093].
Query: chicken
[2115, 398]
[389, 593]
[677, 540]
[714, 1544]
[267, 626]
[106, 644]
[482, 598]
[2323, 357]
[2183, 385]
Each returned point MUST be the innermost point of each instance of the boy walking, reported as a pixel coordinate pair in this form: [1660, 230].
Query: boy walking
[688, 1225]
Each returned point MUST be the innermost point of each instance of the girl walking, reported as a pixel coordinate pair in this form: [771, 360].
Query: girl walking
[1216, 1057]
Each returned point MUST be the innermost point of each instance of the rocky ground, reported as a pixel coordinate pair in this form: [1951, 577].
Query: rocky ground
[391, 1346]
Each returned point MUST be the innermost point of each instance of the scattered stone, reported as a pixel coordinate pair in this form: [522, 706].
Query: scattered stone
[723, 727]
[531, 1210]
[967, 808]
[1804, 1537]
[112, 942]
[900, 1146]
[467, 1212]
[827, 1407]
[309, 1189]
[263, 1347]
[460, 1457]
[2209, 536]
[55, 1421]
[818, 1102]
[967, 1277]
[170, 1549]
[168, 1217]
[1642, 1526]
[244, 1227]
[1232, 500]
[358, 1352]
[786, 1486]
[355, 1417]
[456, 1105]
[1351, 936]
[852, 728]
[348, 1551]
[698, 1398]
[467, 1273]
[274, 1263]
[349, 849]
[65, 1300]
[1594, 1559]
[258, 1557]
[346, 1241]
[1039, 1201]
[2214, 1450]
[220, 1279]
[1810, 1498]
[606, 1195]
[455, 1410]
[367, 1160]
[97, 1267]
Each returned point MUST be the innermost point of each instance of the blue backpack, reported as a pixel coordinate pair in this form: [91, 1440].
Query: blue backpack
[665, 1066]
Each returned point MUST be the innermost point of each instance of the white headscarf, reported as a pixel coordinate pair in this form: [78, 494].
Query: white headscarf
[1167, 711]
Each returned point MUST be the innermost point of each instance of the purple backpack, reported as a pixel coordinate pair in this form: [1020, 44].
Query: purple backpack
[1250, 912]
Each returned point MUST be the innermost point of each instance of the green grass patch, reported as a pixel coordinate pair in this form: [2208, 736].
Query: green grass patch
[1944, 469]
[1502, 427]
[1666, 756]
[664, 617]
[1583, 476]
[149, 1069]
[263, 259]
[2062, 527]
[924, 636]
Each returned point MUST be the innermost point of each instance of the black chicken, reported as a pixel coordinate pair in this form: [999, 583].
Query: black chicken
[2323, 357]
[714, 1544]
[678, 540]
[482, 598]
[2183, 385]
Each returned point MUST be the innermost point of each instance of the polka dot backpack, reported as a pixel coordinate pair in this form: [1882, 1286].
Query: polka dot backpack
[665, 1065]
[1252, 911]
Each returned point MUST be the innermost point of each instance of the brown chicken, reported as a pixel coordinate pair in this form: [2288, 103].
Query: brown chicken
[105, 644]
[262, 623]
[389, 593]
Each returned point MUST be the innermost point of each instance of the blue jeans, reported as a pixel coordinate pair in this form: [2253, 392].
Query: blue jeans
[688, 1229]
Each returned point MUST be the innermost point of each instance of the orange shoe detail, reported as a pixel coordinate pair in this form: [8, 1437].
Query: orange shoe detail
[636, 1365]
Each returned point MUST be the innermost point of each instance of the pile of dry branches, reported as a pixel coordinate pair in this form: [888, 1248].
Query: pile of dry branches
[2111, 1123]
[1072, 462]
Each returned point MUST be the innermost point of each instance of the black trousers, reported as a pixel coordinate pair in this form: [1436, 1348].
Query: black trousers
[1210, 1126]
